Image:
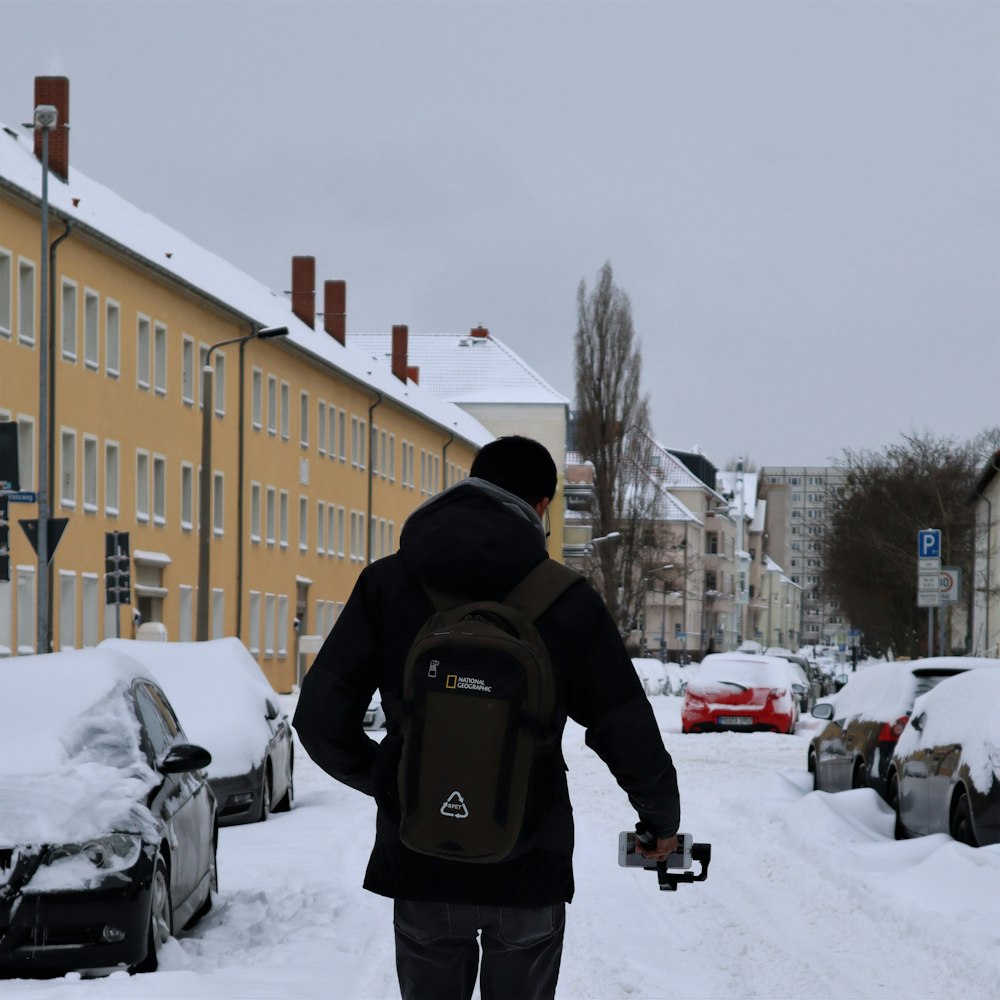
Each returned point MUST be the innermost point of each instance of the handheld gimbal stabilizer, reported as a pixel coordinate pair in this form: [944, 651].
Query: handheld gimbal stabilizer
[676, 868]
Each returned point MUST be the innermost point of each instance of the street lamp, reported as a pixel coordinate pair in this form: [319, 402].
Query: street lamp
[205, 486]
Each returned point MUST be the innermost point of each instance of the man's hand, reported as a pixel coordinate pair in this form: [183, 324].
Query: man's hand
[658, 851]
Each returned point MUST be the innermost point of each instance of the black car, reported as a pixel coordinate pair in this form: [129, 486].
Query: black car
[868, 715]
[945, 773]
[108, 825]
[229, 707]
[808, 685]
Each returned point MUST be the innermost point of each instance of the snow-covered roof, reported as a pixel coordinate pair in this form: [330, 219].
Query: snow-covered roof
[141, 236]
[729, 483]
[463, 368]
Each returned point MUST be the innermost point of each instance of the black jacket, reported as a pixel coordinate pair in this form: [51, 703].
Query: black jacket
[478, 540]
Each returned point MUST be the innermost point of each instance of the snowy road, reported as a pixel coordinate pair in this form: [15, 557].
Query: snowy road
[808, 896]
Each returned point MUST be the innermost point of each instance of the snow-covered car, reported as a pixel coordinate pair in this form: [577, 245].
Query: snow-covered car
[374, 714]
[108, 826]
[227, 705]
[807, 684]
[867, 716]
[740, 692]
[945, 772]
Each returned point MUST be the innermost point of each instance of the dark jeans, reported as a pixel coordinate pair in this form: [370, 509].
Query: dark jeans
[437, 955]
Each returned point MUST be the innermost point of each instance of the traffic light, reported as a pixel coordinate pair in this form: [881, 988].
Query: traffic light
[117, 566]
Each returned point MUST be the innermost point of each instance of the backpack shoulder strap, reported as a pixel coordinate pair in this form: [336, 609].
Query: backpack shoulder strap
[541, 586]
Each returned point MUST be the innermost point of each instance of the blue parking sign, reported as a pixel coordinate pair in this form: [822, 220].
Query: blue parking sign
[929, 543]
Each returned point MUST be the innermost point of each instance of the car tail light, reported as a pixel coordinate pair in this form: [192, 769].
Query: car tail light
[891, 731]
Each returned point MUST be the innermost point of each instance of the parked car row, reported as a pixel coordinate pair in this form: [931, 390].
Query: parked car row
[924, 734]
[110, 809]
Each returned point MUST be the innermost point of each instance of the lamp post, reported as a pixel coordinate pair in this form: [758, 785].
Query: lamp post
[205, 486]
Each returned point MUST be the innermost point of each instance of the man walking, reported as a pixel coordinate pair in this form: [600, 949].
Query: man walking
[478, 539]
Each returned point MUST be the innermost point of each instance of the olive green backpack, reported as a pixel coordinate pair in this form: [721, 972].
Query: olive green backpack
[477, 711]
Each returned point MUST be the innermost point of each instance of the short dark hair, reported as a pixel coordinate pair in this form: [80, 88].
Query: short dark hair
[518, 465]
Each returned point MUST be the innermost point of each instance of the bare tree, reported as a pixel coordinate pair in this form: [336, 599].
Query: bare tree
[612, 432]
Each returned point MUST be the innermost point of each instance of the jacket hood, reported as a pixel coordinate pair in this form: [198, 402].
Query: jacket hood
[474, 539]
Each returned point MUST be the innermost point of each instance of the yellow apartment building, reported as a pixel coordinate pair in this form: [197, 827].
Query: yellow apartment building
[318, 453]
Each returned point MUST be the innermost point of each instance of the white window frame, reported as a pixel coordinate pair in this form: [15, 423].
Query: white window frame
[67, 622]
[112, 478]
[185, 612]
[254, 616]
[90, 446]
[272, 405]
[270, 515]
[159, 492]
[143, 346]
[67, 468]
[392, 458]
[219, 384]
[112, 337]
[281, 613]
[187, 370]
[218, 503]
[341, 517]
[187, 496]
[68, 320]
[285, 397]
[6, 292]
[257, 399]
[321, 428]
[255, 512]
[142, 495]
[27, 599]
[91, 329]
[304, 418]
[342, 434]
[331, 538]
[283, 519]
[26, 272]
[320, 528]
[331, 438]
[269, 611]
[218, 613]
[159, 359]
[303, 524]
[90, 602]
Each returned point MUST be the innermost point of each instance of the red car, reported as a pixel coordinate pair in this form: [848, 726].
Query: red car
[741, 693]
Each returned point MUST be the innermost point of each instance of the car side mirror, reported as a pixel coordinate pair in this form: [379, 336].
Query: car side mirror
[824, 710]
[184, 757]
[272, 711]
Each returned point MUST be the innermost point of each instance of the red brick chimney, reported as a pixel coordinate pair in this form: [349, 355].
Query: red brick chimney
[479, 331]
[413, 373]
[335, 310]
[400, 336]
[54, 90]
[304, 289]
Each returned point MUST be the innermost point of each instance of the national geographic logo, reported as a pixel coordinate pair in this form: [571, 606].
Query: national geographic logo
[453, 682]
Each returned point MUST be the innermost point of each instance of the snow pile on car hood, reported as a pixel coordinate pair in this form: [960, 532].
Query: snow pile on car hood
[219, 694]
[71, 767]
[963, 710]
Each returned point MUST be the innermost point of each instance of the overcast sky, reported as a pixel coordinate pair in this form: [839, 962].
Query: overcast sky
[802, 199]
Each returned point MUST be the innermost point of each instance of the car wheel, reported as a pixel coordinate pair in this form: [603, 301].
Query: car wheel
[161, 923]
[961, 821]
[811, 767]
[899, 831]
[859, 779]
[285, 804]
[265, 796]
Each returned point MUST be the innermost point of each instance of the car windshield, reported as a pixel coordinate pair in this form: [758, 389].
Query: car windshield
[744, 671]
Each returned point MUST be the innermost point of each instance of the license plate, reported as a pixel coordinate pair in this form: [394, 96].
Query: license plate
[735, 720]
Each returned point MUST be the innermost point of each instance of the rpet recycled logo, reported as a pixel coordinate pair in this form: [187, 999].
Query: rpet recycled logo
[454, 807]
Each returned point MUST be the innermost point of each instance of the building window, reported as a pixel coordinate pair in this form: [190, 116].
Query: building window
[218, 613]
[285, 415]
[392, 458]
[320, 527]
[6, 293]
[142, 352]
[342, 434]
[354, 442]
[270, 515]
[384, 457]
[254, 623]
[25, 304]
[272, 405]
[217, 503]
[67, 469]
[321, 429]
[340, 531]
[257, 399]
[91, 333]
[255, 512]
[331, 537]
[282, 625]
[187, 371]
[141, 486]
[185, 603]
[304, 419]
[219, 385]
[91, 608]
[332, 442]
[159, 489]
[110, 478]
[68, 320]
[67, 610]
[268, 626]
[187, 496]
[283, 519]
[90, 474]
[303, 524]
[112, 338]
[160, 359]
